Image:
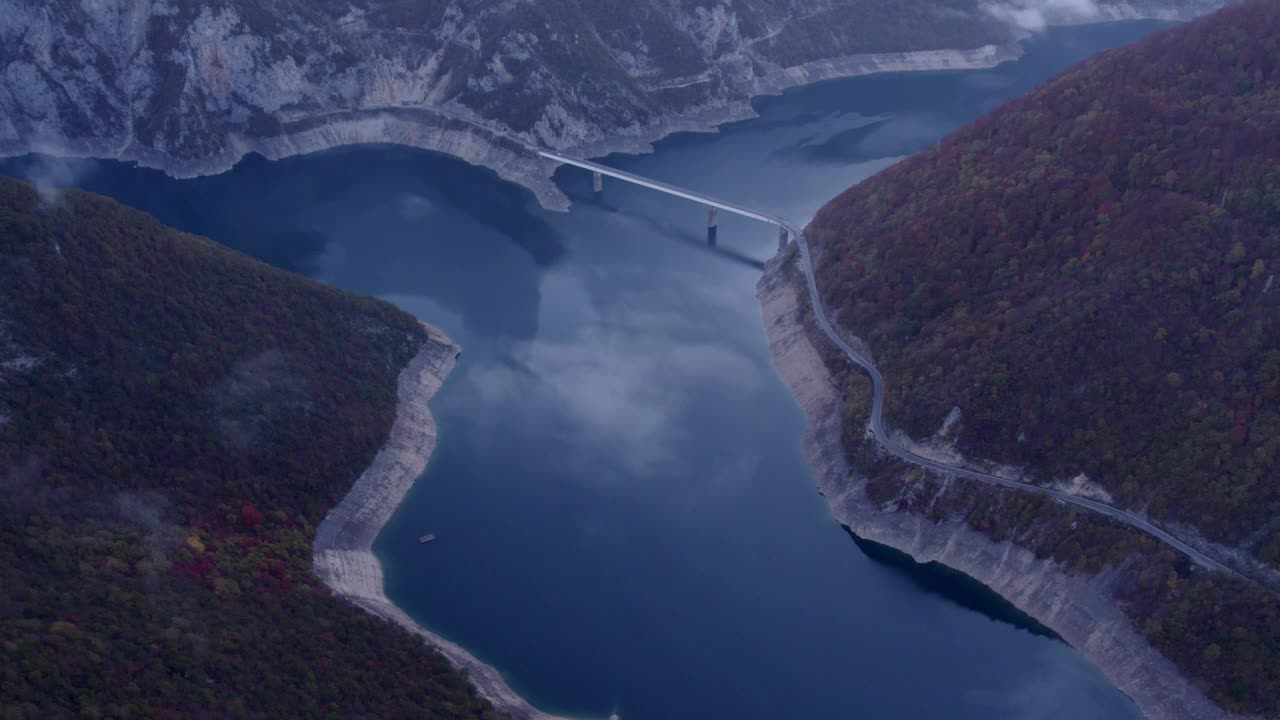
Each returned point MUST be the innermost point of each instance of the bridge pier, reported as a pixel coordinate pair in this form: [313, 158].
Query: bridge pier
[597, 182]
[783, 237]
[712, 221]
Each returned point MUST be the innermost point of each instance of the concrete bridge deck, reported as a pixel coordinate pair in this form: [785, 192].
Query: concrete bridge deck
[666, 188]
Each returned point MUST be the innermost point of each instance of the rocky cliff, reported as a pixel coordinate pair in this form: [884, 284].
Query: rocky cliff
[190, 87]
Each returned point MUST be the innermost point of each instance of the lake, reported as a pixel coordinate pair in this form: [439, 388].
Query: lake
[625, 521]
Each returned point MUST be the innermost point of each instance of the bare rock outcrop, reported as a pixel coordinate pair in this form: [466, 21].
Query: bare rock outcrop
[191, 87]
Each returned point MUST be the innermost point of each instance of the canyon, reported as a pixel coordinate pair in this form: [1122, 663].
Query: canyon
[190, 88]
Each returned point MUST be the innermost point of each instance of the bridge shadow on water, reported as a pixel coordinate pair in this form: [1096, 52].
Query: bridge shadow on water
[955, 586]
[701, 242]
[680, 234]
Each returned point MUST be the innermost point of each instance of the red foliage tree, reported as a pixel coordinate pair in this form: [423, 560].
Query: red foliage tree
[250, 516]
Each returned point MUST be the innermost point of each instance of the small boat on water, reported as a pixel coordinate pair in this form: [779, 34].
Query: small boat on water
[426, 538]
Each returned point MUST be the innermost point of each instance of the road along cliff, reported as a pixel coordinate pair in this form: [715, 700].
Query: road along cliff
[1079, 607]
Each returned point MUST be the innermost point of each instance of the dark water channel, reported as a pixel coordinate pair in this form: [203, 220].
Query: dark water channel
[625, 519]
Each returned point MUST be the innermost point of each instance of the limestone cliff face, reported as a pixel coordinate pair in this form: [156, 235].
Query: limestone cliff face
[192, 86]
[1078, 607]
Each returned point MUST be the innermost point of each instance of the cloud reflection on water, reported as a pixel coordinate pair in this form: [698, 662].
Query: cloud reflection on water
[612, 392]
[1049, 688]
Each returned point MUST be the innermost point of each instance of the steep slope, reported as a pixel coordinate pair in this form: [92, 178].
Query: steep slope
[175, 420]
[191, 86]
[1088, 275]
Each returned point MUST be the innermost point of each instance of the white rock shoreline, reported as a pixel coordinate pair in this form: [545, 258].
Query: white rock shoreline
[1079, 608]
[464, 135]
[438, 130]
[343, 548]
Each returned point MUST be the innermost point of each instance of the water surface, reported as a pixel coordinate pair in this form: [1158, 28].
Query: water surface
[625, 519]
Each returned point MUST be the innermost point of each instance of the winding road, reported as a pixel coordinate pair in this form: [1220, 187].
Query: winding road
[1124, 517]
[877, 429]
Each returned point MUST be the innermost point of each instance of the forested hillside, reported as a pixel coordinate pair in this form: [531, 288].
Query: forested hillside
[1089, 273]
[175, 419]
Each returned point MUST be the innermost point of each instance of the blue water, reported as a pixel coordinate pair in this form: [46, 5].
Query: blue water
[625, 519]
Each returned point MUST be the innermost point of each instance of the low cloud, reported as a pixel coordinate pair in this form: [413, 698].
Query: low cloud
[1035, 15]
[149, 514]
[51, 176]
[144, 509]
[257, 395]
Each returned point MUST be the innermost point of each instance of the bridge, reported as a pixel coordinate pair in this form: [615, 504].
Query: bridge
[786, 231]
[599, 171]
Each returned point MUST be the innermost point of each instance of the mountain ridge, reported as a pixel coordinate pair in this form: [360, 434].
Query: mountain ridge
[190, 88]
[176, 419]
[1080, 286]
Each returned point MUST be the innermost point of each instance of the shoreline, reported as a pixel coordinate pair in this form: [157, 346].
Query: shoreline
[777, 80]
[342, 549]
[474, 141]
[469, 140]
[342, 552]
[1079, 609]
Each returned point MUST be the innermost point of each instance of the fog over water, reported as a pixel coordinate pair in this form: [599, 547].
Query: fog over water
[624, 517]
